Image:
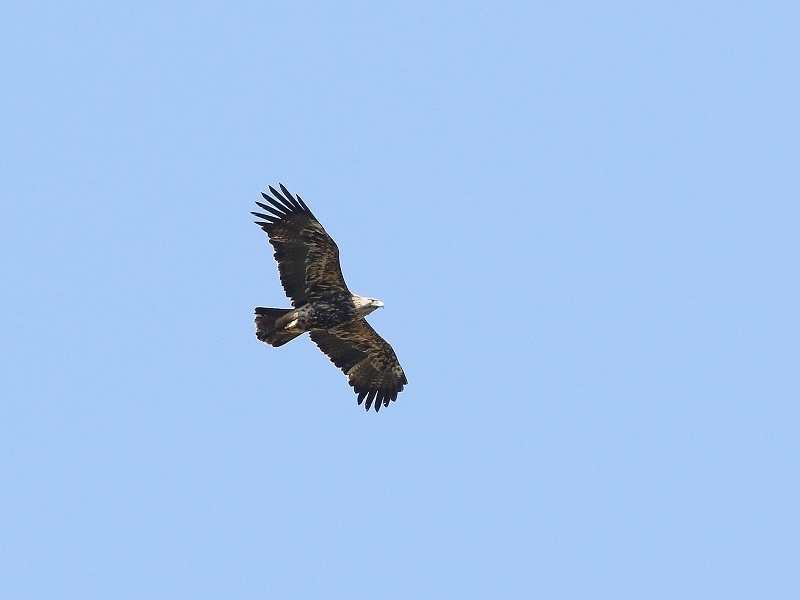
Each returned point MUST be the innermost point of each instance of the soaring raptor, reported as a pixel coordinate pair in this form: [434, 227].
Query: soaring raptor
[308, 264]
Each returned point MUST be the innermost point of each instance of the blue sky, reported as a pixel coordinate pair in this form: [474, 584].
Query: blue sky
[583, 219]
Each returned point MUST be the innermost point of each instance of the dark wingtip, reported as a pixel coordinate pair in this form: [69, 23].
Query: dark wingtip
[303, 204]
[378, 397]
[290, 198]
[284, 202]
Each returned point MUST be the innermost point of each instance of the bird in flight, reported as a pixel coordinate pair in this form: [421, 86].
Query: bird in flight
[322, 305]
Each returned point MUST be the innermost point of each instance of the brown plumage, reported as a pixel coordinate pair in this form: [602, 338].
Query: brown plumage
[308, 265]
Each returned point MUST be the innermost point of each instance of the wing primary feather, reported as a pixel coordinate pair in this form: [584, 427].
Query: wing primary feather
[274, 203]
[370, 398]
[272, 209]
[291, 198]
[288, 206]
[287, 198]
[277, 208]
[303, 204]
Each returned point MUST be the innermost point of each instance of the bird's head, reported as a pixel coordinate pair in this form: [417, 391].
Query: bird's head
[364, 305]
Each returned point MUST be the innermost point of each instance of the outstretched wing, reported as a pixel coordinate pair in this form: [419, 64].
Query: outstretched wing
[307, 257]
[366, 358]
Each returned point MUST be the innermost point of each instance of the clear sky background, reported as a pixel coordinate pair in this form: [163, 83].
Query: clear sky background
[583, 219]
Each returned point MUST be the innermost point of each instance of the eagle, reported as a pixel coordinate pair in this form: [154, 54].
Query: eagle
[322, 305]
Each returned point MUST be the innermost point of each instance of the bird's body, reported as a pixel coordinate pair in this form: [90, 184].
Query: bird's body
[323, 306]
[273, 324]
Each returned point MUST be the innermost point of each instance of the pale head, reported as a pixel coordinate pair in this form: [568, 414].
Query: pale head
[365, 305]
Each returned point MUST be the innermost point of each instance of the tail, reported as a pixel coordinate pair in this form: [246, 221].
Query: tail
[266, 330]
